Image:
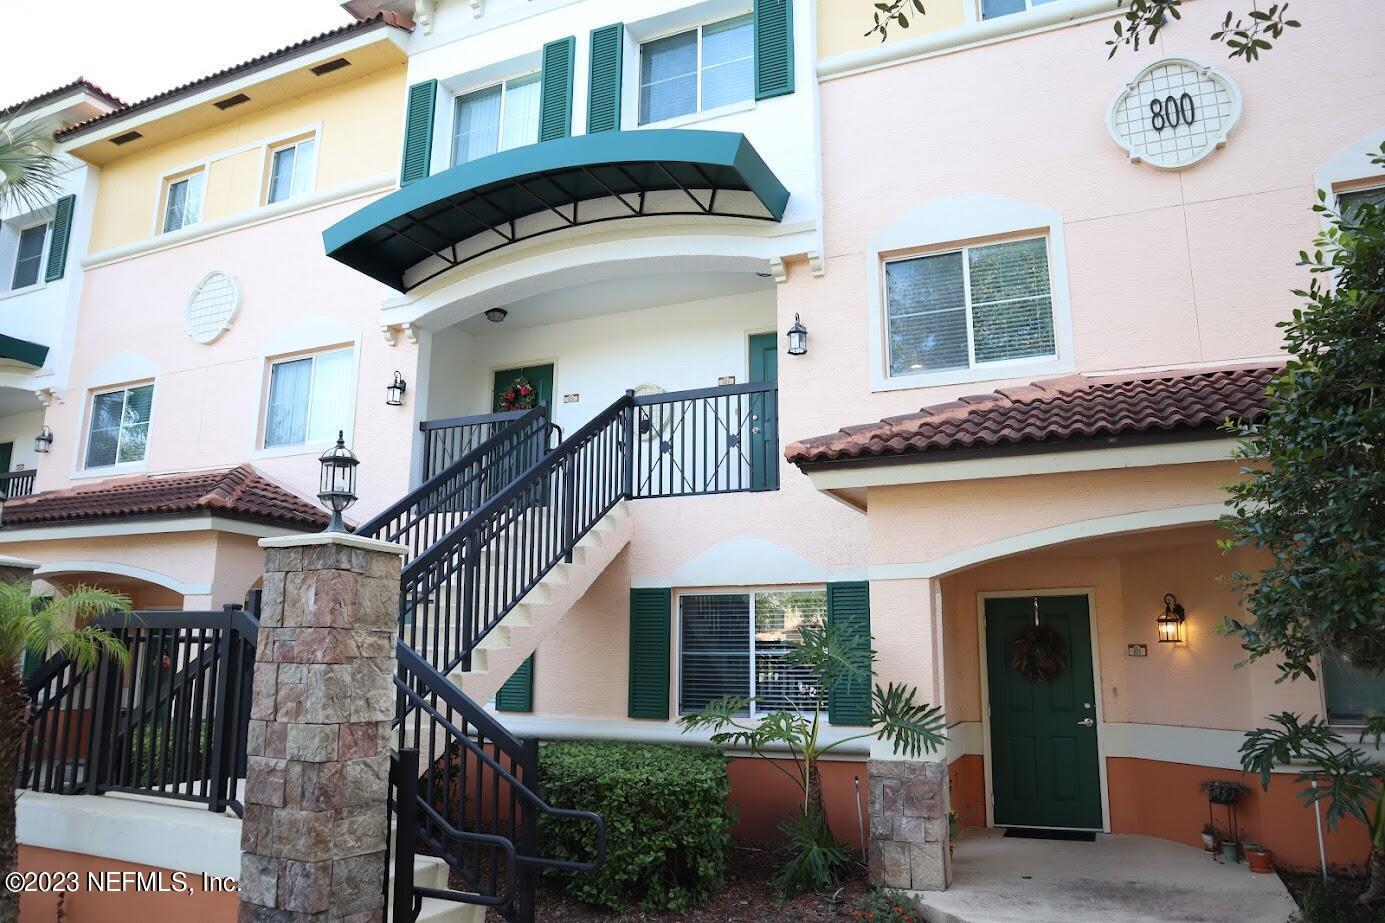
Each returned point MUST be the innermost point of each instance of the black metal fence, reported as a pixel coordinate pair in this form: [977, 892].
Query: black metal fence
[445, 442]
[16, 483]
[171, 722]
[710, 441]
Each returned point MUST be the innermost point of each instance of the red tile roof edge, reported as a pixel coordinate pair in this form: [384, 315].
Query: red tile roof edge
[81, 83]
[242, 492]
[384, 18]
[1056, 410]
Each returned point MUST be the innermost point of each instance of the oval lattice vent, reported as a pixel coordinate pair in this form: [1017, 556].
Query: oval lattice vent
[211, 306]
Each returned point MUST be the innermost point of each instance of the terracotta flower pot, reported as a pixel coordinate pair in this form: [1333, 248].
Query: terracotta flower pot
[1260, 860]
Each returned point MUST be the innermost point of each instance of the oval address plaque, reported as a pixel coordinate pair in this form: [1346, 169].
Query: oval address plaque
[1174, 113]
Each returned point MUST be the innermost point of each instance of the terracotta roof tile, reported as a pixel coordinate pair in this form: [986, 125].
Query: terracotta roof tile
[386, 18]
[237, 493]
[81, 83]
[1058, 410]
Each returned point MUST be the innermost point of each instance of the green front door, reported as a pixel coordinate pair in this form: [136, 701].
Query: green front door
[764, 413]
[519, 461]
[6, 454]
[1044, 765]
[540, 376]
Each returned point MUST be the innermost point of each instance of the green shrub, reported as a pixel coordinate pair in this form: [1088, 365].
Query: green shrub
[813, 858]
[666, 821]
[154, 765]
[886, 907]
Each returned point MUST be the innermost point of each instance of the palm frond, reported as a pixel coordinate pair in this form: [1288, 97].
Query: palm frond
[28, 171]
[27, 623]
[912, 727]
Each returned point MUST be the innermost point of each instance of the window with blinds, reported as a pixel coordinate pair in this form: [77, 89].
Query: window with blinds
[698, 70]
[969, 307]
[495, 119]
[310, 398]
[119, 429]
[734, 644]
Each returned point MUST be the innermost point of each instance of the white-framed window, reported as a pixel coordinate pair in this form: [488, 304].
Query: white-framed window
[30, 246]
[969, 307]
[292, 168]
[310, 398]
[733, 643]
[697, 70]
[991, 9]
[183, 198]
[496, 118]
[118, 427]
[1350, 694]
[1346, 201]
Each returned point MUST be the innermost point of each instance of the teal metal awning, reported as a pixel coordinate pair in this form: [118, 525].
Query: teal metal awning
[445, 220]
[23, 351]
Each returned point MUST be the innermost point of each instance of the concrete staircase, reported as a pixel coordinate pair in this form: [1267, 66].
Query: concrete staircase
[431, 872]
[507, 645]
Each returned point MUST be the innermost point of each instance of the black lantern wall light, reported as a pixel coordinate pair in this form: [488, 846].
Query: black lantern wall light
[337, 489]
[798, 337]
[394, 392]
[1171, 621]
[43, 441]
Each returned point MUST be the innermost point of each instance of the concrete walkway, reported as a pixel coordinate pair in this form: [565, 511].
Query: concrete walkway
[1115, 878]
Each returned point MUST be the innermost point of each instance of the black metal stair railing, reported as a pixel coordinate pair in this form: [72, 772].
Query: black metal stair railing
[466, 790]
[446, 441]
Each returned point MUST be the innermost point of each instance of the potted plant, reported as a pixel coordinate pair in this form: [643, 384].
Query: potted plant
[1223, 791]
[1210, 835]
[1230, 851]
[1259, 858]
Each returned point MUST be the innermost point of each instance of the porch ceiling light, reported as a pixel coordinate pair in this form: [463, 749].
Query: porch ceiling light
[798, 337]
[43, 441]
[338, 486]
[1171, 621]
[496, 315]
[394, 391]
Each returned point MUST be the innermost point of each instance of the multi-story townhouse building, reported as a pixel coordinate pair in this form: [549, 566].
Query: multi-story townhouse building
[779, 291]
[41, 282]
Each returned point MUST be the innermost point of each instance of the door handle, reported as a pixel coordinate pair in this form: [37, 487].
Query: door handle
[1086, 722]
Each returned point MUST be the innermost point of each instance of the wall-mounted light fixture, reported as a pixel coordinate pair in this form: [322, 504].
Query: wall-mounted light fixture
[337, 489]
[1171, 621]
[496, 315]
[394, 391]
[43, 441]
[798, 337]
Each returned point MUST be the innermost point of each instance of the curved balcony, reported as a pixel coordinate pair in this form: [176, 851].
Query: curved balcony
[439, 223]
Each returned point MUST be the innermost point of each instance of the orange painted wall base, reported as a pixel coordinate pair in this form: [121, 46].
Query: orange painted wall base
[966, 779]
[128, 905]
[763, 798]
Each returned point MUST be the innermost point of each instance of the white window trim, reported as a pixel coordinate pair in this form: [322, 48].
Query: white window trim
[504, 85]
[952, 223]
[677, 646]
[272, 148]
[977, 9]
[171, 180]
[267, 363]
[1350, 171]
[79, 466]
[699, 113]
[40, 281]
[451, 87]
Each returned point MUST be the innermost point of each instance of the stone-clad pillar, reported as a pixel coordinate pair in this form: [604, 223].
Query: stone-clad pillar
[313, 843]
[908, 824]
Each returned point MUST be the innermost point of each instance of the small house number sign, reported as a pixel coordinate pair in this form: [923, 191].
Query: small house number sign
[1174, 113]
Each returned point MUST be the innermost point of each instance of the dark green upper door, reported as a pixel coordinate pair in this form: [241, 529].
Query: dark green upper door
[1044, 764]
[6, 455]
[764, 413]
[540, 376]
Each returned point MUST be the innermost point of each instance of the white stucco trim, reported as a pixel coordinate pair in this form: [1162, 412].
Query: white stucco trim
[345, 539]
[249, 218]
[204, 522]
[1050, 462]
[1042, 538]
[746, 561]
[1350, 165]
[943, 225]
[160, 833]
[557, 727]
[125, 570]
[1043, 18]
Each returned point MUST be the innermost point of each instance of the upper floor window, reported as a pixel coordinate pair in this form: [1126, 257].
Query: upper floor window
[697, 70]
[497, 118]
[28, 258]
[183, 201]
[734, 644]
[990, 9]
[119, 430]
[310, 398]
[1350, 692]
[1347, 201]
[291, 169]
[965, 308]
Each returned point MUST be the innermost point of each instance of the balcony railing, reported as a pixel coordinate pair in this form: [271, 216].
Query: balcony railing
[709, 441]
[445, 441]
[16, 484]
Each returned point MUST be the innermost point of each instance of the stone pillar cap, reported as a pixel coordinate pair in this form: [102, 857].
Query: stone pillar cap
[345, 539]
[19, 563]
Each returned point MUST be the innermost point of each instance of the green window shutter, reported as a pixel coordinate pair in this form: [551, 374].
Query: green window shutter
[649, 652]
[603, 95]
[555, 91]
[848, 605]
[418, 132]
[57, 246]
[518, 692]
[773, 48]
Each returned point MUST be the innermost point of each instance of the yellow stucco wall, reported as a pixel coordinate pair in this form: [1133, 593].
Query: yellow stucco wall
[358, 125]
[842, 24]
